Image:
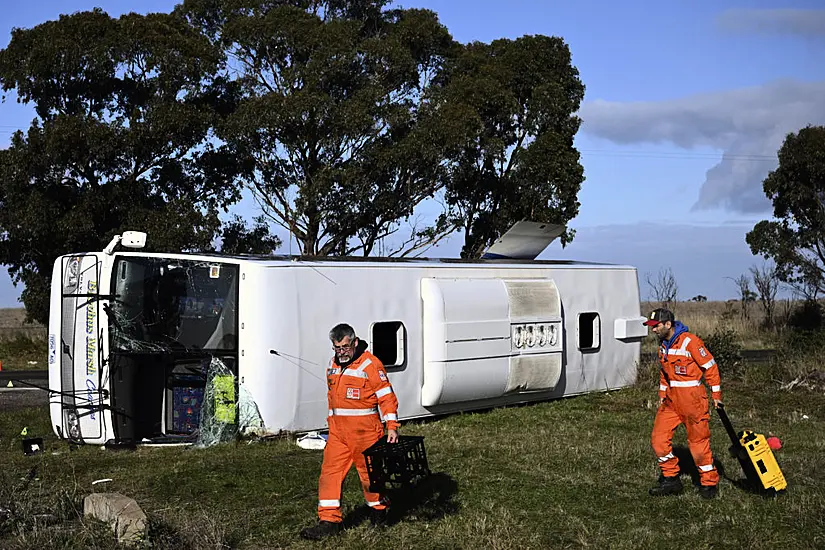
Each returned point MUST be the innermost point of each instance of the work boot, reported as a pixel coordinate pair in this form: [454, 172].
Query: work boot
[321, 530]
[707, 491]
[378, 518]
[667, 486]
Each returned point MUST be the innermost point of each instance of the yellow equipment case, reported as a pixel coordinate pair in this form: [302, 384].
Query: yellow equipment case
[755, 456]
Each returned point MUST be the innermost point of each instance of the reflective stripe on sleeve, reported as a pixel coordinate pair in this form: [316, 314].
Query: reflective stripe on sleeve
[662, 388]
[391, 416]
[706, 467]
[708, 365]
[383, 391]
[667, 457]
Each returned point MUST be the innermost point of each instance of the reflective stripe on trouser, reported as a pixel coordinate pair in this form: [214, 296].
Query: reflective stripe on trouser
[698, 436]
[345, 447]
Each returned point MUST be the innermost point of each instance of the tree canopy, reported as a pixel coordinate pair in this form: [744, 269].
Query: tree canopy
[124, 107]
[512, 106]
[795, 238]
[327, 122]
[342, 117]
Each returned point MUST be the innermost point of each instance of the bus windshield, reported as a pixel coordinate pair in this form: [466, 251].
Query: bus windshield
[164, 304]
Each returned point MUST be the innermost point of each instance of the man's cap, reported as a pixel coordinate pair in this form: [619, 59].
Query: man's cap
[659, 315]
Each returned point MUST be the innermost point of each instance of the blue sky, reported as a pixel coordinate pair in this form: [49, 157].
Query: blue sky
[686, 105]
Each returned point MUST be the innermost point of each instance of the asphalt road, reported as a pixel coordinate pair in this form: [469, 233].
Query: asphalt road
[21, 397]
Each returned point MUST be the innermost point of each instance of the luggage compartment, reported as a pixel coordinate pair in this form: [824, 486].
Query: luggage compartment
[486, 338]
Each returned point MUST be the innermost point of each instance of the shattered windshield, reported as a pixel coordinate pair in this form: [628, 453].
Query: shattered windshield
[170, 304]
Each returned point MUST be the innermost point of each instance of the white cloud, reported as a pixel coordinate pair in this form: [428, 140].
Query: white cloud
[748, 125]
[802, 22]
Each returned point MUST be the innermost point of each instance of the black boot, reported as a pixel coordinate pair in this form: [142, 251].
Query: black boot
[321, 530]
[667, 486]
[378, 518]
[707, 491]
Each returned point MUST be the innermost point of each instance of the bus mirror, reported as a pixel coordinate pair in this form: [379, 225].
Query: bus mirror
[133, 239]
[129, 239]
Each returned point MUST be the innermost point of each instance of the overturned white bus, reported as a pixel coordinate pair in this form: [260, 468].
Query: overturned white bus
[132, 334]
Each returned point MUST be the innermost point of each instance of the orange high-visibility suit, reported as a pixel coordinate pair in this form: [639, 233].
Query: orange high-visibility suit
[685, 359]
[356, 394]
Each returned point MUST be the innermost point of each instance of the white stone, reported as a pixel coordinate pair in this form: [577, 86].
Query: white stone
[121, 512]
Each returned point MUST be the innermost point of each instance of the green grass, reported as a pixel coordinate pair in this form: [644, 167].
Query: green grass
[24, 352]
[571, 473]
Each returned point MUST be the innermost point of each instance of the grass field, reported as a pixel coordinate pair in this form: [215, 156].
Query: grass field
[567, 474]
[572, 473]
[22, 345]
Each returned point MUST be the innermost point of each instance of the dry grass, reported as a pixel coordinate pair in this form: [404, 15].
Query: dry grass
[705, 318]
[13, 326]
[22, 345]
[13, 317]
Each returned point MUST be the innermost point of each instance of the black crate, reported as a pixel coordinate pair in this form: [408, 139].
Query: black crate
[395, 465]
[33, 446]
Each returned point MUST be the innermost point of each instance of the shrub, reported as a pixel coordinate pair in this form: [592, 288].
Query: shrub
[723, 344]
[806, 317]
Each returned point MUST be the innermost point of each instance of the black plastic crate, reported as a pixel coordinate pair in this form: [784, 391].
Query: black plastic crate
[394, 465]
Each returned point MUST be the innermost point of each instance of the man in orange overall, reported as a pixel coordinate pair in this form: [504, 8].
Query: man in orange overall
[683, 400]
[359, 391]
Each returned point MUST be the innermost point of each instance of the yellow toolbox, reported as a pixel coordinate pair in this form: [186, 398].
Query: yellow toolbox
[755, 456]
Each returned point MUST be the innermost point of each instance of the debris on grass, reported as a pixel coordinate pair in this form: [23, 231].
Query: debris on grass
[814, 381]
[312, 441]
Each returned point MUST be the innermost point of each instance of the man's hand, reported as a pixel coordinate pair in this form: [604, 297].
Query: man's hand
[716, 403]
[392, 436]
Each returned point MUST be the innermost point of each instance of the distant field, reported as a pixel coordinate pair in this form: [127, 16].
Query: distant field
[22, 345]
[701, 317]
[12, 323]
[705, 318]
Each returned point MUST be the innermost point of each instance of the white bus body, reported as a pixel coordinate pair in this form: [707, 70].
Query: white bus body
[129, 331]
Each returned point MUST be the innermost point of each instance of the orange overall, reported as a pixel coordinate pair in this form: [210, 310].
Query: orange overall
[684, 361]
[357, 394]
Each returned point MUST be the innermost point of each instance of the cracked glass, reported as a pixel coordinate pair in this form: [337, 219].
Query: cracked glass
[163, 304]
